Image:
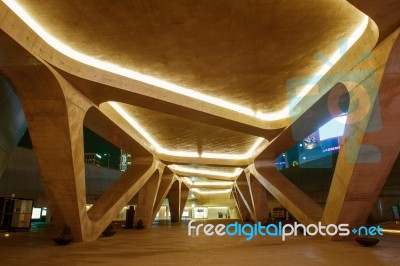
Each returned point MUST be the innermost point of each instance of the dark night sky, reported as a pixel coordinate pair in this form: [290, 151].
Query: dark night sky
[92, 144]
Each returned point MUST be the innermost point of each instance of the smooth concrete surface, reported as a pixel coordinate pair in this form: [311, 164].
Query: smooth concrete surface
[167, 180]
[168, 244]
[244, 191]
[241, 206]
[146, 200]
[60, 93]
[216, 48]
[387, 19]
[354, 190]
[292, 198]
[12, 122]
[259, 198]
[371, 146]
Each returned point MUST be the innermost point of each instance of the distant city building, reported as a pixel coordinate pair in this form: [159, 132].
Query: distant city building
[126, 160]
[93, 158]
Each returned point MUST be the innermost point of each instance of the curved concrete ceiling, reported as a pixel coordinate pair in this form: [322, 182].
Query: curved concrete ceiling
[178, 134]
[241, 52]
[209, 172]
[237, 51]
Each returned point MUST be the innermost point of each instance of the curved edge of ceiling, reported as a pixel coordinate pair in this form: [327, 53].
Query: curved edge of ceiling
[60, 55]
[135, 130]
[34, 38]
[110, 68]
[344, 61]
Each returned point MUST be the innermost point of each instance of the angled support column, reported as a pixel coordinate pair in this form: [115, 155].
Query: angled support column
[50, 122]
[55, 113]
[304, 209]
[167, 180]
[174, 201]
[243, 191]
[371, 145]
[143, 167]
[258, 197]
[184, 197]
[147, 199]
[243, 211]
[177, 197]
[233, 193]
[305, 122]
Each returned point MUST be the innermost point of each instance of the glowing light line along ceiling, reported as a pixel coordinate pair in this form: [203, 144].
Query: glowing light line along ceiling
[162, 84]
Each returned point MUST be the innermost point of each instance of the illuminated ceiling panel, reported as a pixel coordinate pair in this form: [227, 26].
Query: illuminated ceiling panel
[233, 54]
[204, 171]
[182, 137]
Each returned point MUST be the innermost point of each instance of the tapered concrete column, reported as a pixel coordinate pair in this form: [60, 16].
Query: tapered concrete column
[177, 197]
[55, 113]
[147, 199]
[174, 201]
[243, 191]
[371, 145]
[304, 209]
[50, 128]
[243, 211]
[167, 180]
[184, 197]
[304, 123]
[259, 199]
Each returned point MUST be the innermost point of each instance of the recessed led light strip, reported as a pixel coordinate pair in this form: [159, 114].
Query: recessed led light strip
[216, 191]
[147, 136]
[339, 53]
[207, 183]
[162, 150]
[107, 66]
[213, 183]
[135, 124]
[191, 170]
[110, 67]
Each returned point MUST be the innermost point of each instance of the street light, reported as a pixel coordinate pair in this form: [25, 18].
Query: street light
[108, 161]
[108, 168]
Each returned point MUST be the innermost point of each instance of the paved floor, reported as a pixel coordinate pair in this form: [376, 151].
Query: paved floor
[170, 245]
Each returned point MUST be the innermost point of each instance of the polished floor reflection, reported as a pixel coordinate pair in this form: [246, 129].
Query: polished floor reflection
[169, 244]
